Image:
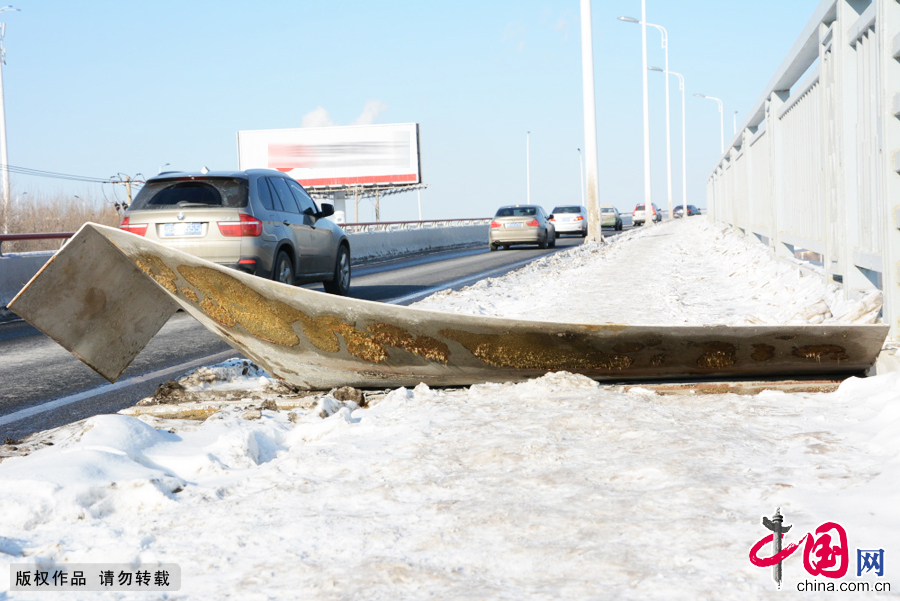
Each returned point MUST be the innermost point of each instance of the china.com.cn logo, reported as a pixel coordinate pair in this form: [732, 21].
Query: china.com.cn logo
[825, 551]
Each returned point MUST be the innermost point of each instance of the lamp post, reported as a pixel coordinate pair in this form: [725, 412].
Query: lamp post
[721, 120]
[528, 167]
[581, 164]
[683, 137]
[595, 231]
[665, 46]
[648, 196]
[4, 159]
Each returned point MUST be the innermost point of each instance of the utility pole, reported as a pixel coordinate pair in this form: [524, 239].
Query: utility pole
[126, 180]
[4, 159]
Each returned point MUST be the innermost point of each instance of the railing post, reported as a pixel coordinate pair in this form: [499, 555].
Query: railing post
[773, 129]
[887, 26]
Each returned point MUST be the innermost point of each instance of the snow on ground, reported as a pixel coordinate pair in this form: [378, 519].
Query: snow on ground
[555, 488]
[688, 272]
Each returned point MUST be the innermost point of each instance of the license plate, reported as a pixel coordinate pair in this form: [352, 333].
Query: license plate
[515, 224]
[182, 229]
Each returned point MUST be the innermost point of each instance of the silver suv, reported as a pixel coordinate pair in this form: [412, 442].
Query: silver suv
[259, 221]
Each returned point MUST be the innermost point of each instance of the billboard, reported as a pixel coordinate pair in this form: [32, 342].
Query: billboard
[336, 156]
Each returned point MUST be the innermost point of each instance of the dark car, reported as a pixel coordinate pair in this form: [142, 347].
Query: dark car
[259, 221]
[680, 211]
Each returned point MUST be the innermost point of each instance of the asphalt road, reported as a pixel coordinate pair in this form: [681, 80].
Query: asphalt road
[44, 386]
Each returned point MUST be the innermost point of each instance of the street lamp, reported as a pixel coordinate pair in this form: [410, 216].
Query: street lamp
[665, 47]
[683, 136]
[4, 159]
[721, 120]
[648, 197]
[581, 163]
[528, 167]
[595, 229]
[161, 167]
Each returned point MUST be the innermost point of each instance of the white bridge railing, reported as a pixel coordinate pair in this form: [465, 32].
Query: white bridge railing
[393, 226]
[814, 169]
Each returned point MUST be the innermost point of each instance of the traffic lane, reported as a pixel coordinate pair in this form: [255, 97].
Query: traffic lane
[34, 369]
[46, 383]
[405, 281]
[104, 399]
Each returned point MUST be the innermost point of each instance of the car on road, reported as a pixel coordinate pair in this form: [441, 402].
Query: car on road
[521, 224]
[570, 219]
[610, 217]
[259, 221]
[680, 211]
[638, 217]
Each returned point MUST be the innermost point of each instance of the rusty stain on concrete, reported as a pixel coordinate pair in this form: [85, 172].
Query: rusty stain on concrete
[717, 355]
[535, 351]
[762, 352]
[818, 352]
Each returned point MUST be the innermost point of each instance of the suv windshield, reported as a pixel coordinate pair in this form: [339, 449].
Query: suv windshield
[207, 192]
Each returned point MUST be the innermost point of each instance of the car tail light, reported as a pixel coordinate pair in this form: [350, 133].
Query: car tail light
[579, 218]
[135, 228]
[533, 223]
[248, 226]
[494, 224]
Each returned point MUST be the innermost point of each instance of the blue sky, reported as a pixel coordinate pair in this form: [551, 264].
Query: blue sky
[97, 88]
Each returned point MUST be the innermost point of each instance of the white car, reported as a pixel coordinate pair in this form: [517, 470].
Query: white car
[638, 218]
[570, 219]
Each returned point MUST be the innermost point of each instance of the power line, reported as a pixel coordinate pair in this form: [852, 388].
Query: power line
[66, 176]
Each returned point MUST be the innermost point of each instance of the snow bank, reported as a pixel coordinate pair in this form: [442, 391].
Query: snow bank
[552, 488]
[684, 272]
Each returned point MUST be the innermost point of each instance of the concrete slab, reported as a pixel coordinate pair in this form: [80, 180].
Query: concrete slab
[318, 341]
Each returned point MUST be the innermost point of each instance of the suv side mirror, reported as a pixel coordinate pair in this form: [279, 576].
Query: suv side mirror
[327, 210]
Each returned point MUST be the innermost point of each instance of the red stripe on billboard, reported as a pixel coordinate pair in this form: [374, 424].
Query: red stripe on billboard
[369, 179]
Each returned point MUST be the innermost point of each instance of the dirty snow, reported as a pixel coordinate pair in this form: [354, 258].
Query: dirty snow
[554, 488]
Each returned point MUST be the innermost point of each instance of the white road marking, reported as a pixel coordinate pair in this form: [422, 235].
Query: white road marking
[106, 388]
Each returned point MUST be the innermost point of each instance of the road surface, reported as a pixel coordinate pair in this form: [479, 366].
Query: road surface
[44, 386]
